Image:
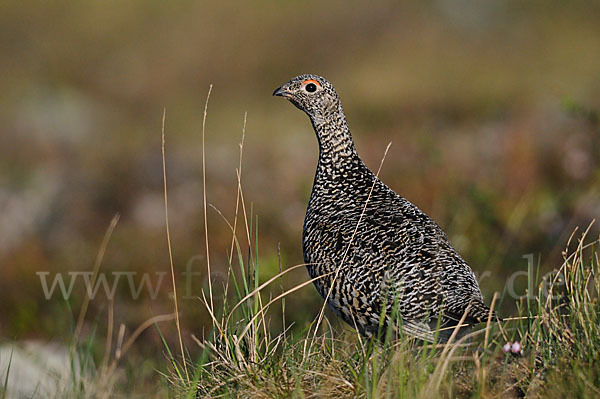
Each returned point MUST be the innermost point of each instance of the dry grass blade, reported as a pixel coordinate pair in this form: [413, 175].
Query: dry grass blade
[263, 285]
[239, 189]
[580, 248]
[215, 322]
[109, 334]
[166, 196]
[339, 267]
[97, 263]
[278, 297]
[260, 287]
[122, 350]
[204, 198]
[450, 348]
[489, 320]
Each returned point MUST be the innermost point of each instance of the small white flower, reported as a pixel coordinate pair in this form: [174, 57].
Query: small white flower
[516, 347]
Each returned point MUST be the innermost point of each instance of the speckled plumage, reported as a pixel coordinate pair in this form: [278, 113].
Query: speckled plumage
[371, 247]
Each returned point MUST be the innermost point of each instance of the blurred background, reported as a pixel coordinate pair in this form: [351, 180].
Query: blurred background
[491, 108]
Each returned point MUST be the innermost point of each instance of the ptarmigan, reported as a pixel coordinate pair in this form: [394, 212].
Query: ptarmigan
[374, 251]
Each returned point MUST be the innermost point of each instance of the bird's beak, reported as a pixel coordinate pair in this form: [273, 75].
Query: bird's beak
[282, 92]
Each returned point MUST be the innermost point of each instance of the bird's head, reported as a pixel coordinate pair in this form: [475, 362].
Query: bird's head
[312, 94]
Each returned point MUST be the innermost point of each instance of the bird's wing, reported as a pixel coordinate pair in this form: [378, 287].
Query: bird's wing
[430, 273]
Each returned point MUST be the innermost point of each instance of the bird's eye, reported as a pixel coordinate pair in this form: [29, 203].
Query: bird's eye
[311, 87]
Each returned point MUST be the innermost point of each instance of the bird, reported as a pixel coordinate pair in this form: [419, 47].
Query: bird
[376, 258]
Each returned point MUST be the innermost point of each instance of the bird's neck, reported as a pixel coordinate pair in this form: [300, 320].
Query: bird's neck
[336, 147]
